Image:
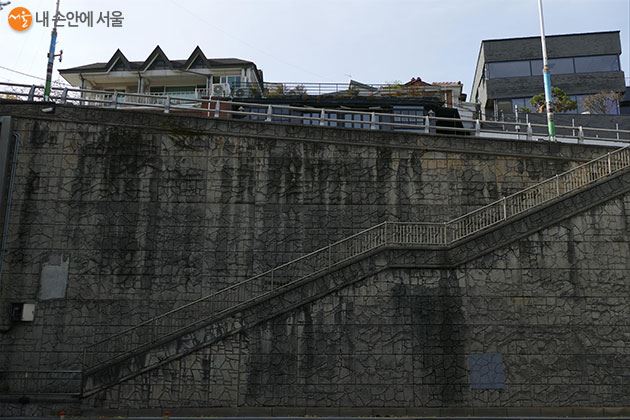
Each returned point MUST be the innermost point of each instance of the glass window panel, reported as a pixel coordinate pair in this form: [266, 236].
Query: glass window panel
[508, 69]
[170, 89]
[561, 65]
[556, 65]
[573, 111]
[331, 116]
[612, 107]
[521, 103]
[356, 117]
[253, 110]
[596, 63]
[280, 111]
[310, 115]
[505, 107]
[537, 67]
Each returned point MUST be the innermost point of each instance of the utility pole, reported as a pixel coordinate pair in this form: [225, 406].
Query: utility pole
[551, 125]
[51, 55]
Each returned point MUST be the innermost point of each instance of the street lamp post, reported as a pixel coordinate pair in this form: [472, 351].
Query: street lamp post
[551, 125]
[51, 55]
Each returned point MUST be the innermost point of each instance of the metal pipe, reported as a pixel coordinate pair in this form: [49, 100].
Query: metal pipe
[551, 126]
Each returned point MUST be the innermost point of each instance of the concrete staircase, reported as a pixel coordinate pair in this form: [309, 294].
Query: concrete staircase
[173, 335]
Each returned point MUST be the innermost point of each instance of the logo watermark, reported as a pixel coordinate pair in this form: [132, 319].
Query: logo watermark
[21, 19]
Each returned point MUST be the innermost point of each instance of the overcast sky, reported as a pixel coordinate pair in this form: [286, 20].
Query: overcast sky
[372, 41]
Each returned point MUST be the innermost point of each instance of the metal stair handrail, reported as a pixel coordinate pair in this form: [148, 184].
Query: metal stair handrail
[384, 234]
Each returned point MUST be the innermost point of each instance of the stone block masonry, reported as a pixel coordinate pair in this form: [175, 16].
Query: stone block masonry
[119, 216]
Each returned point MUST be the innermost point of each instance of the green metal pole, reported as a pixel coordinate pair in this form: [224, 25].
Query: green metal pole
[551, 125]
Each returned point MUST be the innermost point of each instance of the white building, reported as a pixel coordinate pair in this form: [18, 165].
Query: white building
[195, 77]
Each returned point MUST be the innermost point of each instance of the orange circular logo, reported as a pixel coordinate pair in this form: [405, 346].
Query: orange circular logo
[20, 19]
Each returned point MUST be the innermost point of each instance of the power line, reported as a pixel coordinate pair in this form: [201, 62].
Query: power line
[30, 75]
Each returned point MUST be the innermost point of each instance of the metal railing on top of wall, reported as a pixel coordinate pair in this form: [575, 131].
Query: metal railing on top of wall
[386, 234]
[222, 108]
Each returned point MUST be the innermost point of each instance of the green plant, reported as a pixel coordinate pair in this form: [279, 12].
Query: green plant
[560, 101]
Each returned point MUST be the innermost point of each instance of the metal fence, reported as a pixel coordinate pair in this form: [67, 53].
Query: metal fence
[387, 234]
[40, 382]
[221, 108]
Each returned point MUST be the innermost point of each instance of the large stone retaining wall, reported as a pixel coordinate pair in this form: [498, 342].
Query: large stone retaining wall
[119, 215]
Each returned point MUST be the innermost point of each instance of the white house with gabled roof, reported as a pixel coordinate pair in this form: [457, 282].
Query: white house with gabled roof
[195, 77]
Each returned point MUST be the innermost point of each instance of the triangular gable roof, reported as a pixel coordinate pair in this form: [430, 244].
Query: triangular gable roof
[157, 53]
[196, 56]
[118, 57]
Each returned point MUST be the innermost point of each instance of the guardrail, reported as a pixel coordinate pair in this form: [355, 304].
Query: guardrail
[40, 382]
[340, 118]
[390, 234]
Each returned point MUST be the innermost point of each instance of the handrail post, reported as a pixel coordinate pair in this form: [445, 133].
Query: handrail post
[530, 131]
[427, 124]
[269, 113]
[580, 134]
[477, 128]
[167, 105]
[504, 205]
[217, 108]
[617, 130]
[64, 95]
[115, 100]
[609, 163]
[373, 121]
[444, 238]
[322, 118]
[557, 185]
[31, 93]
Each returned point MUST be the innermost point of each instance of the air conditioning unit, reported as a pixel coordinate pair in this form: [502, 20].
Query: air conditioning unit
[241, 93]
[22, 312]
[222, 89]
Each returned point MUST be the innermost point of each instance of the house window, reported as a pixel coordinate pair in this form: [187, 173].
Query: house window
[281, 111]
[556, 66]
[568, 65]
[596, 63]
[508, 69]
[253, 110]
[412, 112]
[233, 81]
[504, 106]
[357, 117]
[330, 115]
[521, 104]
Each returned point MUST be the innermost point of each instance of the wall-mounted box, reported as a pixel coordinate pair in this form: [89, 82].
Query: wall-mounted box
[22, 312]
